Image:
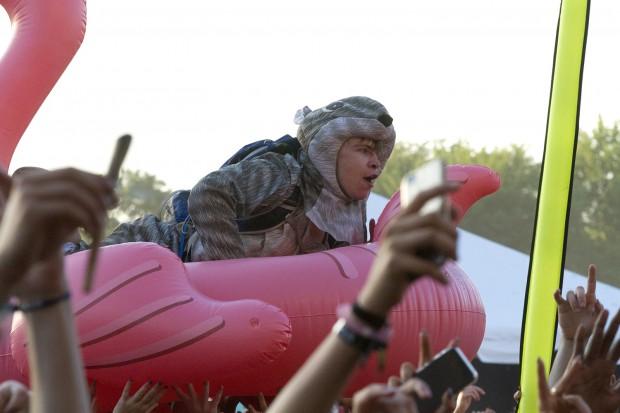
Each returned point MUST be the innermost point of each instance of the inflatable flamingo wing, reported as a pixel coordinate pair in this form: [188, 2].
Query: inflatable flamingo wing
[47, 36]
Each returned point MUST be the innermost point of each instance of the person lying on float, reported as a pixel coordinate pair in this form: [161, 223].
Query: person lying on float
[301, 201]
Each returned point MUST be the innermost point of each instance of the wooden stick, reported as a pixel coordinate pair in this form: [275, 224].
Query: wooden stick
[120, 151]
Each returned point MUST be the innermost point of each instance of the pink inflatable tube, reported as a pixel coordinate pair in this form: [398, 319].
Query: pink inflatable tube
[247, 324]
[47, 34]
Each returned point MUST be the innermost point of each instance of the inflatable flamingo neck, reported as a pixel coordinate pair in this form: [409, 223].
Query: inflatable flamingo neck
[47, 36]
[477, 182]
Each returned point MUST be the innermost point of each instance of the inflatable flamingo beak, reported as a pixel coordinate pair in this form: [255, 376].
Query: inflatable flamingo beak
[476, 181]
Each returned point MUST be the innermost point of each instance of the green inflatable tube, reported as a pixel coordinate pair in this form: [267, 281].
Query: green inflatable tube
[550, 231]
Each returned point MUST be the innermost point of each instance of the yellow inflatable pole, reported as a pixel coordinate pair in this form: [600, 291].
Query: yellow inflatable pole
[552, 211]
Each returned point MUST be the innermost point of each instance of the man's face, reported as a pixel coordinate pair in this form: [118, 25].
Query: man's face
[358, 167]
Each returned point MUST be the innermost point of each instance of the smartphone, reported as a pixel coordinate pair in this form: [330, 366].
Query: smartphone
[426, 177]
[450, 369]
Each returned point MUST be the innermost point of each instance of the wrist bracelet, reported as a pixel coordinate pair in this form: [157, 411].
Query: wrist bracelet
[352, 338]
[358, 333]
[40, 304]
[360, 326]
[373, 320]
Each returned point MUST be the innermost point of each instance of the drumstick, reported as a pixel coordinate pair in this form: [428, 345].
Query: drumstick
[120, 151]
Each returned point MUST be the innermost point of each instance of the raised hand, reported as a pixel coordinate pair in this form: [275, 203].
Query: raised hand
[590, 370]
[580, 307]
[43, 209]
[195, 404]
[467, 396]
[262, 405]
[14, 397]
[145, 400]
[379, 398]
[399, 260]
[550, 401]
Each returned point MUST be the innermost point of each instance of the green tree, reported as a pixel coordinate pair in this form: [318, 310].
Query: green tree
[508, 216]
[139, 193]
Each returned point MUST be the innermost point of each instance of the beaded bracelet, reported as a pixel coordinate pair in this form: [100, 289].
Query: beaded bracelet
[373, 320]
[357, 333]
[36, 305]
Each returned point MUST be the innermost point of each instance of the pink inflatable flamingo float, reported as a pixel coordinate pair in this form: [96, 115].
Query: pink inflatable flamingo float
[247, 324]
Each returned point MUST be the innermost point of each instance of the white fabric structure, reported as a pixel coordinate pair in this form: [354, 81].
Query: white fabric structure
[500, 274]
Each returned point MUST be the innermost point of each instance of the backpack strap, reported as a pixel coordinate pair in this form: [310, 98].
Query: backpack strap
[270, 219]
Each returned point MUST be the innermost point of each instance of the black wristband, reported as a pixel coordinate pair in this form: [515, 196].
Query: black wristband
[41, 304]
[364, 344]
[373, 320]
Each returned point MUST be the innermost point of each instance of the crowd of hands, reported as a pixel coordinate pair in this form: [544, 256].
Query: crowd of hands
[40, 210]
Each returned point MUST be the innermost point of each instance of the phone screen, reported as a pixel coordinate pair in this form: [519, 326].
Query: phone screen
[449, 370]
[425, 177]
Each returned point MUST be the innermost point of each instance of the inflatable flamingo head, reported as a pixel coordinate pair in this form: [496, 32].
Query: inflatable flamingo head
[476, 181]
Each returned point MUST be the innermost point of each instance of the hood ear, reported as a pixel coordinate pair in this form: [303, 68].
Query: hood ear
[301, 114]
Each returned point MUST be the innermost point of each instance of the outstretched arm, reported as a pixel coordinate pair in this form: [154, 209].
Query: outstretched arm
[321, 379]
[42, 210]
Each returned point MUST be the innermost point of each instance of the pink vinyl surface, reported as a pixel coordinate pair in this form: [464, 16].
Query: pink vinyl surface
[247, 324]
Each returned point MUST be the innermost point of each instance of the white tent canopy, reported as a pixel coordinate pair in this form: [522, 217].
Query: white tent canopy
[500, 274]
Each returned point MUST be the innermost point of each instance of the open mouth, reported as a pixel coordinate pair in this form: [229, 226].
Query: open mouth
[371, 179]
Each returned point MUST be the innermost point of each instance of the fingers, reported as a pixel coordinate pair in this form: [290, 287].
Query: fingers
[126, 390]
[413, 268]
[370, 393]
[610, 334]
[474, 392]
[262, 403]
[571, 297]
[406, 223]
[218, 396]
[579, 343]
[425, 354]
[425, 196]
[141, 391]
[205, 395]
[181, 394]
[544, 394]
[154, 394]
[406, 371]
[615, 352]
[416, 387]
[577, 402]
[192, 392]
[426, 240]
[580, 292]
[593, 349]
[394, 381]
[563, 305]
[18, 402]
[591, 291]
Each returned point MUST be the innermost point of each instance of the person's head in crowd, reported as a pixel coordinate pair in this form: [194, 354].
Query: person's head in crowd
[348, 141]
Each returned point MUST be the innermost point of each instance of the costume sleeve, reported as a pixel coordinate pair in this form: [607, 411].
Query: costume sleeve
[242, 190]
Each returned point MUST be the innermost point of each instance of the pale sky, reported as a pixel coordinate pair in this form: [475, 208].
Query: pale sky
[195, 80]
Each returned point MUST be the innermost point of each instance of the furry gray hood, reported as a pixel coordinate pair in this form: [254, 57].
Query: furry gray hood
[322, 133]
